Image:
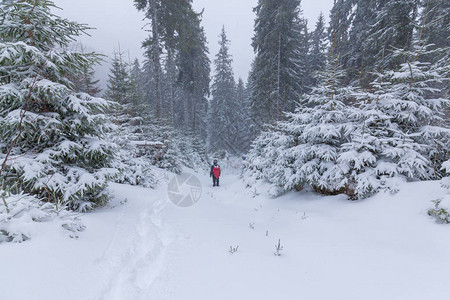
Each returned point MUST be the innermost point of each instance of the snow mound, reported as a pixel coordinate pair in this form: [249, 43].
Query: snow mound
[20, 213]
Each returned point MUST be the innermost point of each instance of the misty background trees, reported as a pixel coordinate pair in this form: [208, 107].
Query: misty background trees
[332, 76]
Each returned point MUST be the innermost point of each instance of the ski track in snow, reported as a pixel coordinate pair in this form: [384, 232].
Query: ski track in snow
[136, 258]
[136, 261]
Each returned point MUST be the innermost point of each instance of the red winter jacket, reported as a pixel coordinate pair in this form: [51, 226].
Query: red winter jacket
[215, 170]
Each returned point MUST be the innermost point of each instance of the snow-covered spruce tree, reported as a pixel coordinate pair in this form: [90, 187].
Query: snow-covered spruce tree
[137, 84]
[360, 59]
[145, 141]
[85, 82]
[366, 33]
[416, 107]
[304, 149]
[223, 111]
[138, 132]
[171, 89]
[179, 94]
[148, 81]
[363, 31]
[341, 16]
[152, 9]
[178, 149]
[435, 30]
[119, 81]
[194, 74]
[191, 150]
[392, 28]
[259, 159]
[245, 125]
[168, 155]
[51, 137]
[317, 54]
[132, 135]
[269, 159]
[399, 131]
[320, 127]
[278, 68]
[369, 159]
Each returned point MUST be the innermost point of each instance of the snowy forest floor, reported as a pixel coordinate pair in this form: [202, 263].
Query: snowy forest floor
[385, 247]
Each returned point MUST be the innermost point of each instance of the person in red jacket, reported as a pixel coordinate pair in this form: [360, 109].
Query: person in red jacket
[215, 173]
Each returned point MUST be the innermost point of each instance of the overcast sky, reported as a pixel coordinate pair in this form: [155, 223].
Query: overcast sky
[118, 21]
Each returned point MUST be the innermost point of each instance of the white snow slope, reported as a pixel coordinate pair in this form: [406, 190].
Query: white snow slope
[385, 247]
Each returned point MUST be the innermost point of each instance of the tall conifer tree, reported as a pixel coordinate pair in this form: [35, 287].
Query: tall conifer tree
[180, 39]
[245, 125]
[365, 33]
[280, 33]
[223, 125]
[393, 28]
[318, 47]
[119, 85]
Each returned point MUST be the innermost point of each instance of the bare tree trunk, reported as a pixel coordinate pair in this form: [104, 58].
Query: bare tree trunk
[422, 28]
[171, 77]
[156, 58]
[194, 111]
[187, 101]
[278, 79]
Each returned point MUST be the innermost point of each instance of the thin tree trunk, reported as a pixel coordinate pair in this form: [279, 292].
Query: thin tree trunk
[422, 28]
[156, 58]
[278, 79]
[28, 22]
[171, 77]
[194, 111]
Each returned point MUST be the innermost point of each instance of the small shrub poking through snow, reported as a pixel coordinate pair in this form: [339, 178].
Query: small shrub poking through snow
[278, 248]
[446, 183]
[233, 249]
[441, 214]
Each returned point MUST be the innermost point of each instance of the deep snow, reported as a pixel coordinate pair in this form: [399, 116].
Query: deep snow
[142, 246]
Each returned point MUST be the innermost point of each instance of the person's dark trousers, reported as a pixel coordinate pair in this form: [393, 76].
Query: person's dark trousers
[215, 181]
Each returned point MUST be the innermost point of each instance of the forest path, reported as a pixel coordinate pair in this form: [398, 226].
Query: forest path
[144, 247]
[381, 248]
[134, 260]
[164, 251]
